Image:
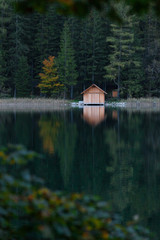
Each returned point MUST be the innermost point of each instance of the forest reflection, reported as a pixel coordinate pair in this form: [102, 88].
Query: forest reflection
[118, 159]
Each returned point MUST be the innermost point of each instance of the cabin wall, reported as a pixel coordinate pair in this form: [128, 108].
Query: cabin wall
[94, 98]
[86, 99]
[102, 98]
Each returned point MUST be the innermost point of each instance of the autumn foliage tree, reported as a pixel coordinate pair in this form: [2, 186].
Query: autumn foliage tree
[50, 85]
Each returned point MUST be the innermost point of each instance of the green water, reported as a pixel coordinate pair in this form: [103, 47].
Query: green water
[118, 159]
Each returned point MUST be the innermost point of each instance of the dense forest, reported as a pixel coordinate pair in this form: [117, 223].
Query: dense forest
[89, 50]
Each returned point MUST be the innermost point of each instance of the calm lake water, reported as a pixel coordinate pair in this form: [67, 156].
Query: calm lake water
[111, 153]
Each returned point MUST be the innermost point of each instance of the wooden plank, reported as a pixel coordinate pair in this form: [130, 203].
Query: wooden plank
[102, 98]
[94, 98]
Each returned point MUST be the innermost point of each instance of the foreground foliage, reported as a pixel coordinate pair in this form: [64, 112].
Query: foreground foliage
[29, 211]
[81, 8]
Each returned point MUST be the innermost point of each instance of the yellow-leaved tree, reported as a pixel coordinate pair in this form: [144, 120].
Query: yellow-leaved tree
[50, 85]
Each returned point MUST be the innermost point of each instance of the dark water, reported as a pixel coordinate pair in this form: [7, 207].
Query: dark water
[114, 154]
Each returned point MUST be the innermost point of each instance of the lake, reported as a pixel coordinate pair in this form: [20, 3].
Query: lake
[107, 152]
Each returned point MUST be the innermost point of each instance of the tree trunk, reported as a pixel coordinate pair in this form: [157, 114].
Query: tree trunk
[64, 94]
[15, 92]
[71, 92]
[119, 70]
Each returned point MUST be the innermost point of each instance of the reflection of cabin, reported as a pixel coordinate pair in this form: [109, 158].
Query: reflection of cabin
[94, 115]
[94, 95]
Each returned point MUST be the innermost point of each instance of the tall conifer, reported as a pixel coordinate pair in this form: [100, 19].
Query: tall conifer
[22, 79]
[66, 61]
[121, 49]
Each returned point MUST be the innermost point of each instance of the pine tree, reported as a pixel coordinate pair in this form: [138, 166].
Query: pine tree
[75, 26]
[96, 47]
[85, 49]
[134, 74]
[4, 17]
[152, 58]
[22, 79]
[4, 20]
[4, 90]
[55, 26]
[17, 46]
[41, 40]
[66, 61]
[49, 85]
[121, 49]
[93, 49]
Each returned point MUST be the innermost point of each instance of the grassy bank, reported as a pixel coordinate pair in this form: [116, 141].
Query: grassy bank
[143, 103]
[137, 103]
[36, 104]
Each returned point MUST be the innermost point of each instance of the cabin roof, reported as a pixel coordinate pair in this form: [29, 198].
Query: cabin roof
[93, 85]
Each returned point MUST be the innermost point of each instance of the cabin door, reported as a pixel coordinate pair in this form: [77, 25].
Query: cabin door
[95, 98]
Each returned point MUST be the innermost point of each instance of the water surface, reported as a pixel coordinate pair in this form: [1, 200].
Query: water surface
[111, 153]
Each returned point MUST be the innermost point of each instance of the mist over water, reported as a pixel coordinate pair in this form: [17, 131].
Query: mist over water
[107, 152]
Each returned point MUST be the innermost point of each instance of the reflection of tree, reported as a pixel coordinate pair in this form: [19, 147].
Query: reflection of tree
[89, 175]
[121, 169]
[49, 131]
[135, 167]
[125, 142]
[5, 120]
[66, 146]
[59, 137]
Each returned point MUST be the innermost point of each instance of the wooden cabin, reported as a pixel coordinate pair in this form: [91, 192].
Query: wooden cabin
[94, 95]
[94, 115]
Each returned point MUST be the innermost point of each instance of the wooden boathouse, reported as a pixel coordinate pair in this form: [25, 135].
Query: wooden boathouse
[93, 95]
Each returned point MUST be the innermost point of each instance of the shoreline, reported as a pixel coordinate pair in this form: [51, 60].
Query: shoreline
[144, 104]
[48, 104]
[141, 103]
[35, 104]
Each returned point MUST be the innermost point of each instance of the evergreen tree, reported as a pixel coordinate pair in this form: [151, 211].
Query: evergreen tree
[17, 46]
[93, 49]
[4, 17]
[3, 77]
[97, 50]
[4, 20]
[66, 61]
[152, 58]
[75, 26]
[134, 74]
[83, 54]
[22, 78]
[121, 47]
